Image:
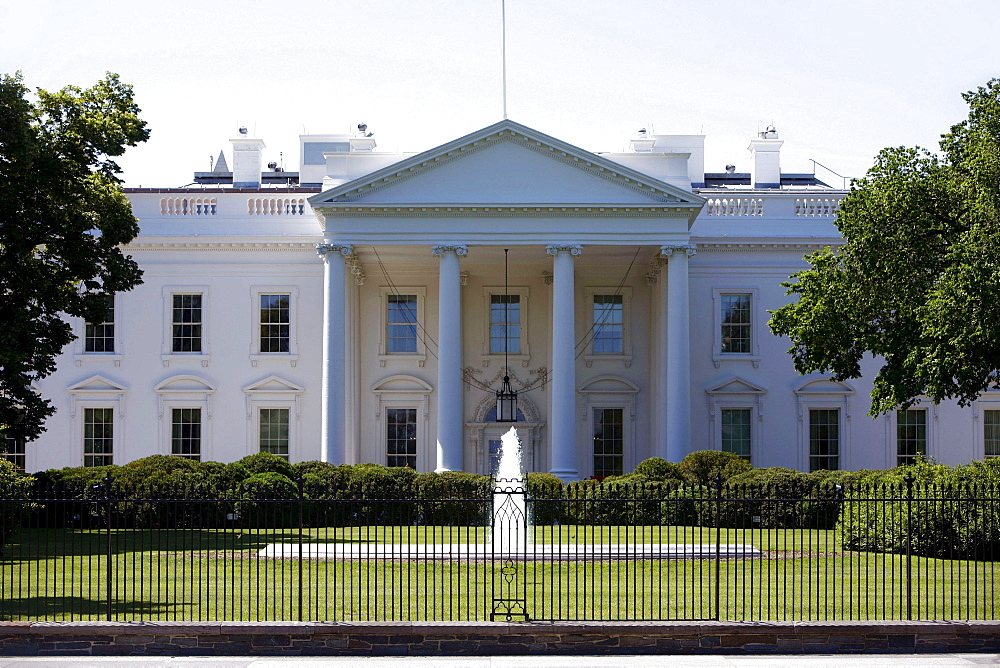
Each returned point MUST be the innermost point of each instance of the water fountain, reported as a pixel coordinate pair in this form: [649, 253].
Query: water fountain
[510, 527]
[510, 537]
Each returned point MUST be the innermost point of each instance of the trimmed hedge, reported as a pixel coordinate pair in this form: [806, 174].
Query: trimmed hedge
[954, 513]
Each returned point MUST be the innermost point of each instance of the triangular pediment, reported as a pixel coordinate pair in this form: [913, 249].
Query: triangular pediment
[736, 385]
[97, 383]
[506, 163]
[273, 384]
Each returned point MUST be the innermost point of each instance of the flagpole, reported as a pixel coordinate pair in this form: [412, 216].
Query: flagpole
[503, 21]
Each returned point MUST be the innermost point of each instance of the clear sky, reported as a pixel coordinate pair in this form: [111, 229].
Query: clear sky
[840, 80]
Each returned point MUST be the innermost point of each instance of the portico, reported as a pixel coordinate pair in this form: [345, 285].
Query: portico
[587, 236]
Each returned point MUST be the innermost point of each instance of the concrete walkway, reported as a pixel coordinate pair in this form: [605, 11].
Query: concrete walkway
[780, 661]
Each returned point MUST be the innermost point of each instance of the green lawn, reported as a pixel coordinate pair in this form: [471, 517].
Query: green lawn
[217, 574]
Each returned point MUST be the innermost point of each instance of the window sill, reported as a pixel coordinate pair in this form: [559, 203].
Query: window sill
[719, 358]
[291, 358]
[185, 357]
[489, 357]
[608, 357]
[421, 360]
[80, 358]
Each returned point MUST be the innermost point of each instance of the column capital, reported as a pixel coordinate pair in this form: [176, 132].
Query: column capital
[572, 249]
[458, 249]
[344, 249]
[669, 249]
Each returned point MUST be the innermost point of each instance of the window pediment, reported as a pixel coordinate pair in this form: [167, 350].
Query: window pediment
[609, 385]
[401, 384]
[273, 385]
[97, 384]
[823, 386]
[736, 385]
[185, 384]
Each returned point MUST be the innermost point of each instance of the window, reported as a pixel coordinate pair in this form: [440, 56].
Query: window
[185, 432]
[98, 436]
[608, 324]
[736, 426]
[401, 323]
[12, 450]
[609, 441]
[736, 317]
[911, 436]
[186, 323]
[495, 449]
[991, 433]
[824, 439]
[607, 327]
[275, 323]
[401, 437]
[99, 337]
[505, 324]
[273, 431]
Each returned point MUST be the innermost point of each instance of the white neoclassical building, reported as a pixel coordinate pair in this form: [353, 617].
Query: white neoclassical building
[357, 311]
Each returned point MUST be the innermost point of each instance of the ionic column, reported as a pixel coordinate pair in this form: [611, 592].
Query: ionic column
[678, 358]
[562, 422]
[334, 352]
[450, 423]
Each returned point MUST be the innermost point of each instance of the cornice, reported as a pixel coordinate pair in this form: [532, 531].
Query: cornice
[334, 210]
[765, 246]
[140, 246]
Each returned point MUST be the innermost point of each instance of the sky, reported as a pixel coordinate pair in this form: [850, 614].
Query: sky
[839, 80]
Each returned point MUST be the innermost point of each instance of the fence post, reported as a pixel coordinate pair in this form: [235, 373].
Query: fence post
[109, 573]
[299, 483]
[718, 548]
[908, 479]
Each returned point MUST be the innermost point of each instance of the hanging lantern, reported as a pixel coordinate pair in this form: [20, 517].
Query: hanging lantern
[506, 402]
[506, 396]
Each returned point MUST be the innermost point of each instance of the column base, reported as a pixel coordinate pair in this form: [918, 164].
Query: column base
[566, 475]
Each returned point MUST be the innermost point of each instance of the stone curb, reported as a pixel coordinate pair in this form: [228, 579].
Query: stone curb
[436, 638]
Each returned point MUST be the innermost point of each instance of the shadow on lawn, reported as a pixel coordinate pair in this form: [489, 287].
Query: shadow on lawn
[38, 544]
[77, 607]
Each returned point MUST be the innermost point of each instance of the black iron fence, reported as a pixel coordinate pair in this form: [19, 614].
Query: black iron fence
[583, 552]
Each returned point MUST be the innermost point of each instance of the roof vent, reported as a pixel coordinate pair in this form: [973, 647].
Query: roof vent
[243, 130]
[730, 169]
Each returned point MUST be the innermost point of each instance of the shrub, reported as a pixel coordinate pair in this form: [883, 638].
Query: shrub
[953, 514]
[704, 466]
[268, 500]
[15, 490]
[262, 462]
[657, 468]
[475, 493]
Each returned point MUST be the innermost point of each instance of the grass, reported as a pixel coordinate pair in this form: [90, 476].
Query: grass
[63, 574]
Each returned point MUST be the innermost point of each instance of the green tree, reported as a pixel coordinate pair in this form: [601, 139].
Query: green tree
[917, 280]
[63, 218]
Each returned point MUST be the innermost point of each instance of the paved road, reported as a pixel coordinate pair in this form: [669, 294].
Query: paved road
[784, 661]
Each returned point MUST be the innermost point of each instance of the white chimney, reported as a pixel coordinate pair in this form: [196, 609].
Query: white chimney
[765, 163]
[246, 162]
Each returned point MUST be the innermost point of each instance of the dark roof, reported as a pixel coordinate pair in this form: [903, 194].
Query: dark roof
[723, 179]
[265, 177]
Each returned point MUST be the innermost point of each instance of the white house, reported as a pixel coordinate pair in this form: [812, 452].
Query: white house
[357, 311]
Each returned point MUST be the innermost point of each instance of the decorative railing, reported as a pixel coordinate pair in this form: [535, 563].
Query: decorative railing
[735, 206]
[816, 207]
[188, 206]
[276, 206]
